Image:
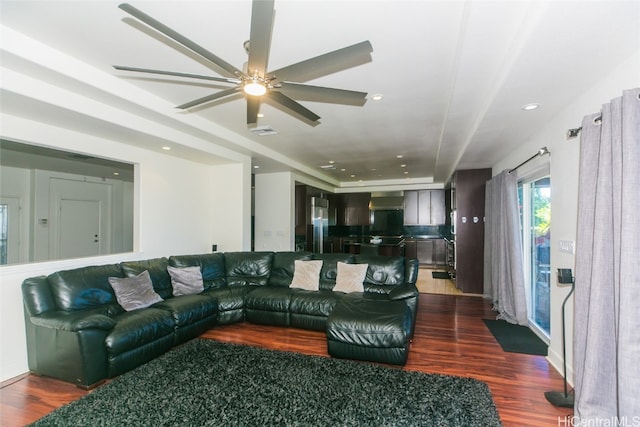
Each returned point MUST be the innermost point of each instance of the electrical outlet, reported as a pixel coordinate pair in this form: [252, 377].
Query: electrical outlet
[567, 246]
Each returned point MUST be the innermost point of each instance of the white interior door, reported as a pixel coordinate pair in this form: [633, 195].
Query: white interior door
[80, 219]
[79, 228]
[9, 230]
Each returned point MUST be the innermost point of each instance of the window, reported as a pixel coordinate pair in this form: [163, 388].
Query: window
[57, 204]
[535, 213]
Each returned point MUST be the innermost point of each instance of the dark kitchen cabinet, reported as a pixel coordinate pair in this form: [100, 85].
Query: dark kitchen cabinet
[425, 252]
[431, 252]
[437, 211]
[352, 208]
[439, 252]
[424, 207]
[469, 201]
[411, 249]
[301, 209]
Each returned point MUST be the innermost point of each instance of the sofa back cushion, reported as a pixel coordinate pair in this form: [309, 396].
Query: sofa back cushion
[329, 270]
[283, 267]
[37, 296]
[157, 268]
[85, 287]
[383, 273]
[248, 268]
[212, 267]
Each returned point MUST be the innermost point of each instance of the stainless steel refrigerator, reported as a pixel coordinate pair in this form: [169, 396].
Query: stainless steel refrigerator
[320, 222]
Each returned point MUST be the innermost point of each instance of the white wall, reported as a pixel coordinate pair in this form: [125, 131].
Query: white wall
[564, 162]
[180, 207]
[274, 212]
[231, 207]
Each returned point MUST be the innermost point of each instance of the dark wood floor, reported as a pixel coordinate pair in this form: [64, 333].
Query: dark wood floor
[450, 339]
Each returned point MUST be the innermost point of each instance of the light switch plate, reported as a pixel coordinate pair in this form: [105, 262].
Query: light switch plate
[567, 246]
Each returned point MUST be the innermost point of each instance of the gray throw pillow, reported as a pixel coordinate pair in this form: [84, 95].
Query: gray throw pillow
[136, 292]
[186, 280]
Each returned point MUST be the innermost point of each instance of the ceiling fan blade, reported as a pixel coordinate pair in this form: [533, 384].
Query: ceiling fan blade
[230, 69]
[323, 94]
[172, 73]
[292, 105]
[253, 107]
[209, 98]
[327, 63]
[260, 39]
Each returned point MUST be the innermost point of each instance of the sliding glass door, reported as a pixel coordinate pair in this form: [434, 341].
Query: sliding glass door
[535, 213]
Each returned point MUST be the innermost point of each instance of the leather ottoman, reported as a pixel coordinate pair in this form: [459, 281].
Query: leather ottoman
[372, 330]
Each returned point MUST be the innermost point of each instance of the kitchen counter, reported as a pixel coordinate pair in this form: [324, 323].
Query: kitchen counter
[388, 246]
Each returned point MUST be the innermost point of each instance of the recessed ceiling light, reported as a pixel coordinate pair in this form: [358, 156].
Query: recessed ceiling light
[529, 107]
[377, 97]
[353, 176]
[331, 162]
[166, 148]
[404, 165]
[406, 172]
[260, 115]
[399, 156]
[116, 173]
[342, 170]
[256, 167]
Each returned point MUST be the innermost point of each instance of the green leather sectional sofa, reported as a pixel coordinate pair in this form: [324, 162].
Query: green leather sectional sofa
[77, 331]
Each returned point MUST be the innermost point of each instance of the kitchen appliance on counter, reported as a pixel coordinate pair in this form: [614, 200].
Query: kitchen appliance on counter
[320, 223]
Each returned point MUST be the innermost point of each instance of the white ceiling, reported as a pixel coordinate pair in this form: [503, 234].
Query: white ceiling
[454, 74]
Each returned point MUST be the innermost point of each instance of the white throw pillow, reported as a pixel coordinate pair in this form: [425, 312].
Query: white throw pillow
[186, 280]
[306, 275]
[135, 292]
[350, 277]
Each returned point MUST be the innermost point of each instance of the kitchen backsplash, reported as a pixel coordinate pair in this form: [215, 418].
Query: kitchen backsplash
[408, 230]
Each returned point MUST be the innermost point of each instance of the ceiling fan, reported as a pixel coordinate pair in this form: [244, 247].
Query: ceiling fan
[282, 86]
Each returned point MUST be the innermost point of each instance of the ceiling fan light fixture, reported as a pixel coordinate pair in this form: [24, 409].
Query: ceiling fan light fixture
[254, 87]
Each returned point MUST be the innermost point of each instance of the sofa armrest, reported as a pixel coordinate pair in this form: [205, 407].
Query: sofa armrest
[73, 322]
[407, 290]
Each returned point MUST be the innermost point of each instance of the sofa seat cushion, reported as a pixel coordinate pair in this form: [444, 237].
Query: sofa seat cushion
[188, 309]
[269, 298]
[314, 303]
[134, 329]
[370, 323]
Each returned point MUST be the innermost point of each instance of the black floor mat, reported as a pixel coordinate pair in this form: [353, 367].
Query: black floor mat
[516, 338]
[440, 275]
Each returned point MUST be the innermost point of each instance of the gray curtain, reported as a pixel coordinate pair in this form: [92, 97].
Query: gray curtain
[607, 278]
[503, 269]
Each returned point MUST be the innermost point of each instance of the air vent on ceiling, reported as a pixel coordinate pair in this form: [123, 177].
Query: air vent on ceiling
[264, 130]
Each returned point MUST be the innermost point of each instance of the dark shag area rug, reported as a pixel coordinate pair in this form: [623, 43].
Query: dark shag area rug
[516, 338]
[207, 383]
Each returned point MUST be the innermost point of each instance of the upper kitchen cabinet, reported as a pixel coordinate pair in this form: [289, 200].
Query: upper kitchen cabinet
[424, 207]
[352, 208]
